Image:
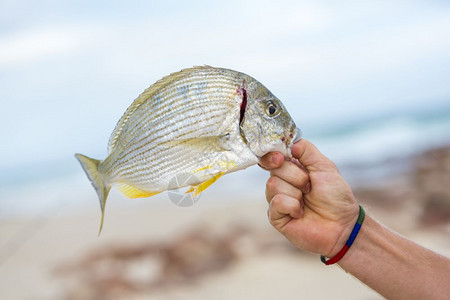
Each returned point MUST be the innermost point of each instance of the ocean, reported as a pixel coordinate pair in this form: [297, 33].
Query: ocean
[359, 147]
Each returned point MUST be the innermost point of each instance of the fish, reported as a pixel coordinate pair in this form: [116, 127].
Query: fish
[204, 121]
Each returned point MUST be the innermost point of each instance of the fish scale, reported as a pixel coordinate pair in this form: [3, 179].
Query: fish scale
[192, 122]
[138, 150]
[163, 113]
[183, 116]
[157, 123]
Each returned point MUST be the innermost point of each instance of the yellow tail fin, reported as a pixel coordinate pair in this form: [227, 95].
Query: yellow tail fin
[90, 167]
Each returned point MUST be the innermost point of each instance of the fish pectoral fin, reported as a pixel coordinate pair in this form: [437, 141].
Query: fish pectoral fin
[225, 166]
[205, 144]
[197, 189]
[133, 192]
[190, 190]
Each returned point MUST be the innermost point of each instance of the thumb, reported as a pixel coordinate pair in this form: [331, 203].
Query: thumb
[310, 157]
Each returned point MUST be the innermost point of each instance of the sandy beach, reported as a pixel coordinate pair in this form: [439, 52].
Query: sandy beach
[216, 249]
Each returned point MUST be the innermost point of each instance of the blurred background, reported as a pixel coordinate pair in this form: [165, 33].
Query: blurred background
[366, 81]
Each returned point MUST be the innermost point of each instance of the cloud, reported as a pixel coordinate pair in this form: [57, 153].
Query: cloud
[37, 44]
[323, 60]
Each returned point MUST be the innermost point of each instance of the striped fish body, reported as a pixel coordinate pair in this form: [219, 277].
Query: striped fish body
[190, 125]
[201, 121]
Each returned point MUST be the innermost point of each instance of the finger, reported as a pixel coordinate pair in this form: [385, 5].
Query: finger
[271, 160]
[310, 157]
[297, 163]
[283, 206]
[294, 175]
[276, 185]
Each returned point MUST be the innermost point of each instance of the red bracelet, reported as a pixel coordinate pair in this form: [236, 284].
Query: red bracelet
[349, 242]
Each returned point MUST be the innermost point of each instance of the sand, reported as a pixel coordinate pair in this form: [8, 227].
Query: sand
[216, 249]
[62, 257]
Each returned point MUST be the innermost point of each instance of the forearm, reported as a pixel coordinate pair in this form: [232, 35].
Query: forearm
[396, 267]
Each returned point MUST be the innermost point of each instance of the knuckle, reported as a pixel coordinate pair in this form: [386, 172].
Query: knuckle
[268, 197]
[272, 222]
[328, 165]
[332, 165]
[298, 173]
[302, 177]
[276, 201]
[269, 215]
[272, 183]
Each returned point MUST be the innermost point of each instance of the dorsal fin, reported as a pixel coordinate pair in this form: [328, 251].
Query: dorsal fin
[147, 94]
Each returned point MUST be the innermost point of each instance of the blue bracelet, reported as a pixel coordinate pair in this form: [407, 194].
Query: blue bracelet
[349, 242]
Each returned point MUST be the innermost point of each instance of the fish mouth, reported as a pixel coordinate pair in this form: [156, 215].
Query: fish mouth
[288, 139]
[291, 137]
[298, 135]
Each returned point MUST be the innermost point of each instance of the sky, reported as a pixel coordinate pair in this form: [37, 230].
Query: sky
[69, 69]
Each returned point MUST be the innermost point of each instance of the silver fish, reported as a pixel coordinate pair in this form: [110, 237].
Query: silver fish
[203, 121]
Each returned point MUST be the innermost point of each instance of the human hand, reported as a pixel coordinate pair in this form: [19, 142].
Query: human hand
[310, 202]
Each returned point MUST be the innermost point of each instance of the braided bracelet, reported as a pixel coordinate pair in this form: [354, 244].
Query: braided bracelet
[349, 242]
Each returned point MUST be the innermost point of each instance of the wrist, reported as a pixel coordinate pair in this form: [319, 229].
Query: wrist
[361, 243]
[345, 232]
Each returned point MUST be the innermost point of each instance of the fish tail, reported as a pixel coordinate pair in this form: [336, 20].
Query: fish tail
[90, 167]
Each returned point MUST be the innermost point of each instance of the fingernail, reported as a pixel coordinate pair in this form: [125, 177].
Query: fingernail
[274, 159]
[300, 212]
[308, 188]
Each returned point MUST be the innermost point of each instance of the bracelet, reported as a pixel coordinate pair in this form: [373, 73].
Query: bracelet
[349, 242]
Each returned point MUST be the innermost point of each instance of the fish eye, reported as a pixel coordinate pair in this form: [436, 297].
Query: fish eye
[272, 109]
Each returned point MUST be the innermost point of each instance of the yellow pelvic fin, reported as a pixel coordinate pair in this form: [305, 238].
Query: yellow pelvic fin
[132, 192]
[197, 189]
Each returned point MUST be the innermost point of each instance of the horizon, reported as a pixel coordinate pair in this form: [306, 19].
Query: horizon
[69, 70]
